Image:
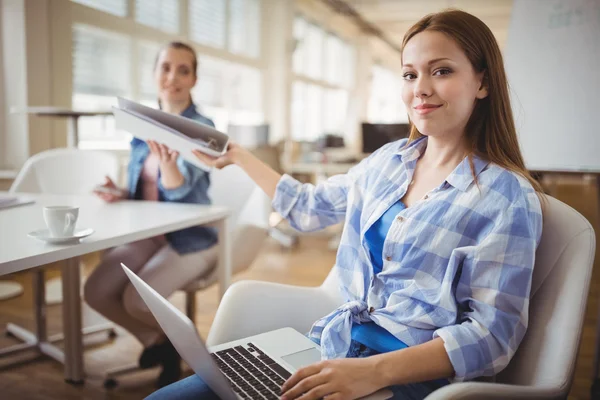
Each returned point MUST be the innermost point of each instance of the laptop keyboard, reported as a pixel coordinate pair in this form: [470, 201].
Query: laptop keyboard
[251, 373]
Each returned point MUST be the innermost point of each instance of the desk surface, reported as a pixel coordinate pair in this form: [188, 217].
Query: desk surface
[60, 112]
[114, 224]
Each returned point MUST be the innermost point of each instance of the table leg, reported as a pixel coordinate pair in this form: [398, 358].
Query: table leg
[73, 132]
[40, 342]
[224, 262]
[73, 344]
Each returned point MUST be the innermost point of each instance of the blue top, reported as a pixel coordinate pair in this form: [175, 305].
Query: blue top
[193, 190]
[458, 265]
[370, 334]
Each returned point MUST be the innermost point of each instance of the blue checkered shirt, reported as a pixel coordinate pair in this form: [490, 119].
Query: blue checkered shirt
[457, 264]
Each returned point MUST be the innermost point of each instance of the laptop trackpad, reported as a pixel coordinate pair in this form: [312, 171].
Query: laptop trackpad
[303, 358]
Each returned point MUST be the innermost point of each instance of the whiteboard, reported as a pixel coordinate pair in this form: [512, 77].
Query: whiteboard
[552, 59]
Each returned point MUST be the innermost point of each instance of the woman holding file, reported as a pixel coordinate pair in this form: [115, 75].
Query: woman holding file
[166, 262]
[437, 253]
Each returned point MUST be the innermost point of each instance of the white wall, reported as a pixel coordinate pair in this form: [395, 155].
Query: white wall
[552, 59]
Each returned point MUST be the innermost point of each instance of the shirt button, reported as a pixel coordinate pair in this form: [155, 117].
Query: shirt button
[371, 310]
[388, 258]
[426, 197]
[400, 218]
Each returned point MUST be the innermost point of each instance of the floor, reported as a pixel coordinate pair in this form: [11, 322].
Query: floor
[306, 265]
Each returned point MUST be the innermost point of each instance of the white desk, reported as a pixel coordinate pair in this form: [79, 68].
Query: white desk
[115, 224]
[71, 115]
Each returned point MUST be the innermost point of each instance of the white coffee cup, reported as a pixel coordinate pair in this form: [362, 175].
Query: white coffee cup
[61, 220]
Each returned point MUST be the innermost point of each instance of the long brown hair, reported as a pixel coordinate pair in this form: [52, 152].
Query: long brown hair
[490, 131]
[179, 46]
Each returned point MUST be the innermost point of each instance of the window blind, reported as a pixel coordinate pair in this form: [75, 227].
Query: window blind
[146, 57]
[244, 27]
[101, 62]
[207, 21]
[159, 14]
[210, 88]
[115, 7]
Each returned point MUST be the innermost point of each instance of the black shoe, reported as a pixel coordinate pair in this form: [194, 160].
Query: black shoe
[153, 355]
[171, 371]
[168, 376]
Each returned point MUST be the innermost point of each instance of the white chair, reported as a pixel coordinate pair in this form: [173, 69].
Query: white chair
[248, 226]
[63, 171]
[543, 366]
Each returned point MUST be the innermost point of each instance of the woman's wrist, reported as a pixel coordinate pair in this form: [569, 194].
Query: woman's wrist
[380, 375]
[240, 156]
[171, 177]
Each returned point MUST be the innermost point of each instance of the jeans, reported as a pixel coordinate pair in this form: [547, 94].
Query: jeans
[194, 388]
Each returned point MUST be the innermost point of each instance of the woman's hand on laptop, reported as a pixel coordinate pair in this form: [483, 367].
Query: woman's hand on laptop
[347, 378]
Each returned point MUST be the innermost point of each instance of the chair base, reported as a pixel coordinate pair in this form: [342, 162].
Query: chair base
[8, 290]
[46, 347]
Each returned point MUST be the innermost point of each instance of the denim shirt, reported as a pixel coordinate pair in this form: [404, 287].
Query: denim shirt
[193, 190]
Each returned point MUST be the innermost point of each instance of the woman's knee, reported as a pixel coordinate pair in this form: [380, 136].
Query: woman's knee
[95, 293]
[133, 303]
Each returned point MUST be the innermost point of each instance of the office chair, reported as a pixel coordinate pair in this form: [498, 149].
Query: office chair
[544, 364]
[248, 224]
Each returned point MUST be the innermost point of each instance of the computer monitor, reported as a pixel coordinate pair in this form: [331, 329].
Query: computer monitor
[376, 135]
[249, 136]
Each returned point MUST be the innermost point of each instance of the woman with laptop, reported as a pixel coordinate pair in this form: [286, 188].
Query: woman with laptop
[441, 229]
[168, 262]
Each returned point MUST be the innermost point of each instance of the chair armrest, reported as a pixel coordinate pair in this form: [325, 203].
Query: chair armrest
[251, 307]
[484, 390]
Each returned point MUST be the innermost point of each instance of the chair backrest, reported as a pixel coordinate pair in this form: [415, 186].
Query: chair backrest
[66, 171]
[248, 223]
[561, 280]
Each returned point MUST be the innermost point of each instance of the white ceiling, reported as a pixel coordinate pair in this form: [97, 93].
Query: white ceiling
[394, 17]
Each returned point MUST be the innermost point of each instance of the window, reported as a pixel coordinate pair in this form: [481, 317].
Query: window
[146, 57]
[116, 7]
[385, 102]
[159, 14]
[244, 27]
[314, 41]
[320, 103]
[113, 59]
[207, 22]
[101, 71]
[229, 93]
[300, 51]
[307, 111]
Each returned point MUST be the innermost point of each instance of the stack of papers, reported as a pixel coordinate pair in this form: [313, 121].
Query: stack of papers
[13, 201]
[177, 132]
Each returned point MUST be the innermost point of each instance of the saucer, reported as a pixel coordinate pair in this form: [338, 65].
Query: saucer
[44, 235]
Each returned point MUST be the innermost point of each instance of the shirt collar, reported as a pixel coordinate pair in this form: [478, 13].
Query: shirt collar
[190, 112]
[461, 178]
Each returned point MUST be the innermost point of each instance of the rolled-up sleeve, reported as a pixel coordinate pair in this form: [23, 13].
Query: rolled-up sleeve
[493, 294]
[312, 207]
[191, 176]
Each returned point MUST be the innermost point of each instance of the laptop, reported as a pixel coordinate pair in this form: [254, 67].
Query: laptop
[251, 368]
